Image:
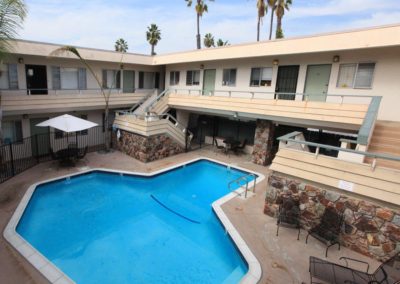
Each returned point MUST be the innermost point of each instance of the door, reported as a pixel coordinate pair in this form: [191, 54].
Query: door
[209, 81]
[128, 81]
[36, 79]
[40, 138]
[317, 82]
[286, 82]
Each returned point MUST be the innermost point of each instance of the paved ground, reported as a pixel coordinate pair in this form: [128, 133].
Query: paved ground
[283, 259]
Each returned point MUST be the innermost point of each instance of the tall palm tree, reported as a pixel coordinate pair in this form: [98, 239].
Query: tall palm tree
[209, 40]
[261, 10]
[106, 96]
[272, 6]
[200, 8]
[153, 35]
[121, 45]
[220, 42]
[12, 15]
[281, 6]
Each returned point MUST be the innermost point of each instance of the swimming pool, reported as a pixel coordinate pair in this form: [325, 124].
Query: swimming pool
[103, 227]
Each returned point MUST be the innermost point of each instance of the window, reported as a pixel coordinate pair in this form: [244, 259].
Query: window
[111, 79]
[84, 132]
[193, 77]
[174, 77]
[66, 78]
[229, 77]
[356, 75]
[148, 80]
[261, 77]
[9, 76]
[12, 131]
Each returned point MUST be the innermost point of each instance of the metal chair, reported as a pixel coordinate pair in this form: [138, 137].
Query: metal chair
[289, 215]
[387, 273]
[328, 230]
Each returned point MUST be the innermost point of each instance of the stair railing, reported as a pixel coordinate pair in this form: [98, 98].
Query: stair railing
[245, 179]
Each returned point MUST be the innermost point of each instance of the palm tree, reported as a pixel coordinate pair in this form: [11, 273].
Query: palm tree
[272, 6]
[261, 9]
[12, 15]
[153, 35]
[220, 42]
[106, 96]
[281, 6]
[209, 40]
[200, 8]
[121, 45]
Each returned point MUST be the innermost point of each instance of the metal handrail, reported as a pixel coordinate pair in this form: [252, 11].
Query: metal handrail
[157, 98]
[244, 178]
[24, 92]
[290, 138]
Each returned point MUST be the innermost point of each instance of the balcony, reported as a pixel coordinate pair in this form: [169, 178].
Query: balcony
[15, 102]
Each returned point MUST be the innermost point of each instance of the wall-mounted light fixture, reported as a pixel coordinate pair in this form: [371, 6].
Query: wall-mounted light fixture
[121, 66]
[20, 60]
[275, 62]
[25, 116]
[336, 58]
[201, 66]
[235, 115]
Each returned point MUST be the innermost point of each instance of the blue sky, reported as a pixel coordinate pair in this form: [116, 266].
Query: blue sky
[98, 23]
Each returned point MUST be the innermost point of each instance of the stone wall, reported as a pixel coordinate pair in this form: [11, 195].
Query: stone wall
[263, 141]
[369, 228]
[146, 149]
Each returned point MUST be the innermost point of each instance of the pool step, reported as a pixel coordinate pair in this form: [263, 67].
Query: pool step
[235, 276]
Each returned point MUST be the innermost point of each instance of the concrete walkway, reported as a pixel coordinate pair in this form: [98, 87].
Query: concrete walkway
[283, 259]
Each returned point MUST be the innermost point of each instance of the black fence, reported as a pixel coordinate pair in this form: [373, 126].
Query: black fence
[18, 156]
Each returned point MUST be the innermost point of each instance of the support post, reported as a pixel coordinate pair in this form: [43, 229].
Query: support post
[37, 147]
[12, 160]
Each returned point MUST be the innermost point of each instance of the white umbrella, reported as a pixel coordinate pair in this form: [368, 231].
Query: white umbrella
[68, 123]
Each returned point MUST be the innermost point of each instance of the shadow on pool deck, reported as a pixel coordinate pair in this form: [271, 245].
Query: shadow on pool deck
[283, 259]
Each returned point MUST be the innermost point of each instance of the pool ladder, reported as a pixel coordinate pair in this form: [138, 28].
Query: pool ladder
[245, 179]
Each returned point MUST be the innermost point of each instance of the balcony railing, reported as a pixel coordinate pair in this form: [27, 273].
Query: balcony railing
[88, 91]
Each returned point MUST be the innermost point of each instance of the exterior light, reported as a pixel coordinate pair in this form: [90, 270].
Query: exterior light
[20, 60]
[201, 66]
[336, 58]
[235, 115]
[275, 62]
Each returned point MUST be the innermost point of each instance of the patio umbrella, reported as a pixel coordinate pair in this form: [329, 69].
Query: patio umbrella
[68, 123]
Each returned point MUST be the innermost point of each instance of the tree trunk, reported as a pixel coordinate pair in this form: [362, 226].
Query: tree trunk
[271, 24]
[258, 29]
[198, 32]
[278, 32]
[106, 130]
[152, 49]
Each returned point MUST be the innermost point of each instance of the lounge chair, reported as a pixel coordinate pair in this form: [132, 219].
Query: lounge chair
[388, 272]
[82, 153]
[289, 215]
[219, 147]
[328, 230]
[240, 148]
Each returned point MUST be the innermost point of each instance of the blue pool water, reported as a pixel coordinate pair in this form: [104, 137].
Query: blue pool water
[106, 228]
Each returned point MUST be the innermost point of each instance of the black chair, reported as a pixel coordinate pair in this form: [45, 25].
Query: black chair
[328, 230]
[289, 215]
[240, 148]
[387, 273]
[219, 147]
[52, 154]
[81, 153]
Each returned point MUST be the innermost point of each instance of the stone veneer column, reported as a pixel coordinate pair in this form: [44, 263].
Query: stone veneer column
[263, 140]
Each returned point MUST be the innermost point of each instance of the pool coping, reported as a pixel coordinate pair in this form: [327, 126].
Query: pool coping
[57, 276]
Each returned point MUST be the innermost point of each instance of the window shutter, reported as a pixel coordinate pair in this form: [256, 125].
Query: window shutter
[104, 79]
[56, 77]
[82, 79]
[13, 76]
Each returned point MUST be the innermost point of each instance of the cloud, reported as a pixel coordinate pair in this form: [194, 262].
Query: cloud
[98, 23]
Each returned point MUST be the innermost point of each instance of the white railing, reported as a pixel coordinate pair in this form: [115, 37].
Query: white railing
[88, 91]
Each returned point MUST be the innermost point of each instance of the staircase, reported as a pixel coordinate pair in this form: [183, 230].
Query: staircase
[385, 139]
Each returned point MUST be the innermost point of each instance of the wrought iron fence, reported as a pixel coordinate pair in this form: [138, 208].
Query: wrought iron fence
[21, 155]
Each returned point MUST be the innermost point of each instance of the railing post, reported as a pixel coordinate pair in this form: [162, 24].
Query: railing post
[29, 92]
[341, 99]
[12, 160]
[37, 148]
[374, 163]
[317, 152]
[252, 95]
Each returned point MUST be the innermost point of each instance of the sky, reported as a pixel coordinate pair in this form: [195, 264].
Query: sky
[99, 23]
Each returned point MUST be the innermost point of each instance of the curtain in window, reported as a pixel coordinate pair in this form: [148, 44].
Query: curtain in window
[82, 85]
[255, 76]
[364, 76]
[13, 76]
[346, 75]
[4, 84]
[69, 78]
[56, 77]
[12, 131]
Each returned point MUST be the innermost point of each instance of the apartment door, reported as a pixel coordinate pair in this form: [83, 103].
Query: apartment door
[209, 81]
[36, 79]
[128, 81]
[40, 137]
[317, 82]
[286, 83]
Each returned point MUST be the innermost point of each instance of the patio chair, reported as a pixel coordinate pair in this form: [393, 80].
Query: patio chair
[52, 154]
[81, 153]
[240, 148]
[328, 230]
[289, 215]
[219, 147]
[387, 273]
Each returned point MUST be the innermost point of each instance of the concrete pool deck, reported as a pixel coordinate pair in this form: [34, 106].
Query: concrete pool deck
[283, 259]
